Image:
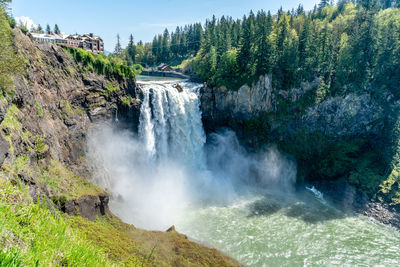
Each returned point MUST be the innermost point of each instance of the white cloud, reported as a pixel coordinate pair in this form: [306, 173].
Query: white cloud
[26, 21]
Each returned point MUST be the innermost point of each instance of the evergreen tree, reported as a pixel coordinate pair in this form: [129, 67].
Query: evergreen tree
[245, 58]
[323, 3]
[183, 45]
[286, 64]
[56, 29]
[363, 46]
[175, 42]
[118, 48]
[155, 48]
[131, 51]
[348, 47]
[165, 48]
[48, 30]
[38, 29]
[264, 44]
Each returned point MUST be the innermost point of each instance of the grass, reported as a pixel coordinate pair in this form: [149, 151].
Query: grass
[62, 182]
[33, 235]
[10, 258]
[39, 235]
[127, 100]
[13, 126]
[112, 87]
[68, 109]
[39, 108]
[131, 246]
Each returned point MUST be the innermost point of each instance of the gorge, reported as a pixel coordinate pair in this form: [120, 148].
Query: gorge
[245, 203]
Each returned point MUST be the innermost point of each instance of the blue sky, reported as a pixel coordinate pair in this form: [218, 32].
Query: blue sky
[142, 18]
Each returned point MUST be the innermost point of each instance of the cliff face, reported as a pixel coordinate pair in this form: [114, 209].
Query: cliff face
[348, 137]
[346, 115]
[46, 117]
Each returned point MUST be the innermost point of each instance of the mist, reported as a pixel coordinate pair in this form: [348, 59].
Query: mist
[153, 192]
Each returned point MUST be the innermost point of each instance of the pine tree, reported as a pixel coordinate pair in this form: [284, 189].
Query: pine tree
[56, 29]
[245, 57]
[155, 48]
[286, 64]
[175, 39]
[263, 43]
[183, 45]
[323, 3]
[48, 30]
[131, 51]
[118, 48]
[364, 46]
[165, 48]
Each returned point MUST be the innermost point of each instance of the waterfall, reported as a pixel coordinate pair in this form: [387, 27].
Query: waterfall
[170, 122]
[156, 174]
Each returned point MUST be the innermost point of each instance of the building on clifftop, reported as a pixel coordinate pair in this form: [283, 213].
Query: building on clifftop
[89, 42]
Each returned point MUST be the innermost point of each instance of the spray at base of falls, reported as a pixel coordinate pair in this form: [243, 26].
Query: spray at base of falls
[168, 166]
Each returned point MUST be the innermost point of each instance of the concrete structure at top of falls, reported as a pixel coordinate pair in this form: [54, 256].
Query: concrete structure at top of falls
[170, 121]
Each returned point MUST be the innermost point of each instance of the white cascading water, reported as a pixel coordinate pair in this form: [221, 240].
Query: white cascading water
[170, 122]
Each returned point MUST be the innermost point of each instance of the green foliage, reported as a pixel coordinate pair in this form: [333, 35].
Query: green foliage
[39, 108]
[101, 64]
[137, 69]
[10, 62]
[41, 147]
[63, 182]
[10, 258]
[32, 235]
[135, 247]
[127, 100]
[352, 46]
[112, 87]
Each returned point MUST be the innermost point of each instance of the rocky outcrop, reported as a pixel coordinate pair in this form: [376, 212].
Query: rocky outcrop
[221, 104]
[89, 207]
[346, 115]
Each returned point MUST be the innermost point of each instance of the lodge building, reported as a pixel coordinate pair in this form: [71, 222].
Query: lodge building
[88, 42]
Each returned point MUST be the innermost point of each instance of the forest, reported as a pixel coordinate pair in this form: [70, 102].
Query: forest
[352, 45]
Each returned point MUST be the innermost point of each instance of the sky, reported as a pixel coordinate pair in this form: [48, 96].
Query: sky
[143, 19]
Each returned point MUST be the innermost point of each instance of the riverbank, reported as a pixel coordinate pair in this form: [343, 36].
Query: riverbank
[346, 197]
[165, 74]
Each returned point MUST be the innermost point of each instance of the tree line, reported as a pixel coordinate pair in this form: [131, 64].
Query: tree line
[353, 44]
[171, 48]
[348, 45]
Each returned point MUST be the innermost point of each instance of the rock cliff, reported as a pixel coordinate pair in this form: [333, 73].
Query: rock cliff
[351, 114]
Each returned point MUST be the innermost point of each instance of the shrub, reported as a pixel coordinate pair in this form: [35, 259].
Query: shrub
[102, 64]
